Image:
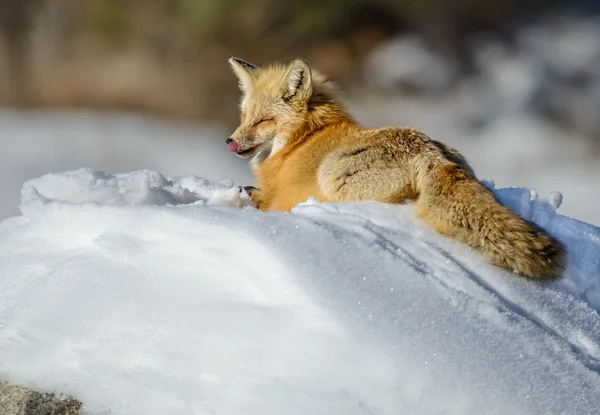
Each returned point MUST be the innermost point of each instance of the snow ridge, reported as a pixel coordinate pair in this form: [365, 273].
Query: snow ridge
[144, 294]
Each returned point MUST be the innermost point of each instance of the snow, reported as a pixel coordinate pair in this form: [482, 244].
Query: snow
[38, 142]
[140, 293]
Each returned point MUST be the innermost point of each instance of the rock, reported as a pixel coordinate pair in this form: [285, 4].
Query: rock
[18, 400]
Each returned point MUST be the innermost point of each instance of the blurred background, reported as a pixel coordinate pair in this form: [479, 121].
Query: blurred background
[120, 85]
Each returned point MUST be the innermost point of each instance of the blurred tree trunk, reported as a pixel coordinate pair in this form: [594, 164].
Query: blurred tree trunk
[15, 23]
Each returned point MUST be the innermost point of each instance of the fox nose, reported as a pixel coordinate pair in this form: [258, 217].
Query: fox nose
[233, 145]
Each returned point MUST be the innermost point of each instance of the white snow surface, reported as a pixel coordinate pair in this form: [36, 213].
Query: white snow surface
[33, 143]
[144, 294]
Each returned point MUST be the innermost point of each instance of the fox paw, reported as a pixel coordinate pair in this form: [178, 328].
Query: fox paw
[248, 189]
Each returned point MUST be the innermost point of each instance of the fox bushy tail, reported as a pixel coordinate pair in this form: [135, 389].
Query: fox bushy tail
[455, 203]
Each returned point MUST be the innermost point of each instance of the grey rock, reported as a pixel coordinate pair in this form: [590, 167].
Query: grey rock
[18, 400]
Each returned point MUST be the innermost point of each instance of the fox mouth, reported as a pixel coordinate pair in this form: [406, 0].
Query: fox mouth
[236, 148]
[245, 153]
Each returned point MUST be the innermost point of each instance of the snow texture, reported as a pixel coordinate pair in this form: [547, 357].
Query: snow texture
[144, 294]
[35, 143]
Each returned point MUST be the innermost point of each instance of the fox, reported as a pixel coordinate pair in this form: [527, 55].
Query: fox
[302, 142]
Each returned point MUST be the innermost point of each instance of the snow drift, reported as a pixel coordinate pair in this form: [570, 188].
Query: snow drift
[143, 294]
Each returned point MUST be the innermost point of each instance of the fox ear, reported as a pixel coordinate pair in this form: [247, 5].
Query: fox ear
[243, 71]
[298, 81]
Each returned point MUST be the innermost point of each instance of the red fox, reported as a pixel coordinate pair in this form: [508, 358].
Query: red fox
[304, 143]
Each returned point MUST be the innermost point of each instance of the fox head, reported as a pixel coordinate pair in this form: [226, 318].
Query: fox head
[277, 103]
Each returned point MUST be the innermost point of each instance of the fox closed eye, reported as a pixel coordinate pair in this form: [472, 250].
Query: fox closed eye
[267, 120]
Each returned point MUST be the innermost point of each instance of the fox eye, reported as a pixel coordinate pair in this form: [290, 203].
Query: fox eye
[266, 120]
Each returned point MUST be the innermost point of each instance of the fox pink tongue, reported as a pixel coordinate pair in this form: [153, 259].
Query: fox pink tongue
[234, 146]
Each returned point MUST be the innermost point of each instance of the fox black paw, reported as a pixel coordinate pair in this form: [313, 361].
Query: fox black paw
[248, 189]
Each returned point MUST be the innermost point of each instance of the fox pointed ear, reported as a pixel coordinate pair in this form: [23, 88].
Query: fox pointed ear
[298, 81]
[243, 71]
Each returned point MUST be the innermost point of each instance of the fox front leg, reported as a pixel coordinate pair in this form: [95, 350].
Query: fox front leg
[254, 193]
[248, 189]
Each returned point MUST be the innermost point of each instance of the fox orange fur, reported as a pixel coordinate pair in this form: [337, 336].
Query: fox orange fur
[304, 143]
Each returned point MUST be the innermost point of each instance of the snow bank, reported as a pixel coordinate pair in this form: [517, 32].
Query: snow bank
[38, 142]
[143, 294]
[142, 188]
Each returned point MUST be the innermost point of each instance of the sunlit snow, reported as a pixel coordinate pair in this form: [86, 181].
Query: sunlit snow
[144, 294]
